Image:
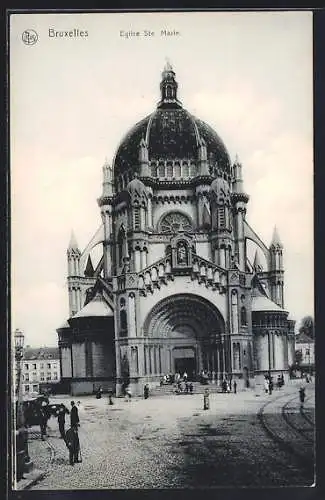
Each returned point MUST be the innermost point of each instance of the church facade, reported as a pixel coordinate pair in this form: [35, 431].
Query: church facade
[174, 289]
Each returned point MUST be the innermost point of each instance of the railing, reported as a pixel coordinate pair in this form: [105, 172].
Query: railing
[202, 270]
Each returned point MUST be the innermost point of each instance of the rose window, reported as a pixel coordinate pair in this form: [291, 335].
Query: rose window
[174, 222]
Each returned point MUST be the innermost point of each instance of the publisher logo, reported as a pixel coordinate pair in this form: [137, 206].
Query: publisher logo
[29, 37]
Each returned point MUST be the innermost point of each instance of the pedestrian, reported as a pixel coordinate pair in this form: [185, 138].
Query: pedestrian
[128, 394]
[43, 418]
[266, 385]
[110, 400]
[74, 416]
[228, 388]
[235, 387]
[99, 392]
[185, 377]
[206, 401]
[146, 391]
[61, 420]
[302, 396]
[191, 388]
[73, 444]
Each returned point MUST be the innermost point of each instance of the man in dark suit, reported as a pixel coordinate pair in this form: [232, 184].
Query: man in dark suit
[74, 417]
[61, 420]
[73, 445]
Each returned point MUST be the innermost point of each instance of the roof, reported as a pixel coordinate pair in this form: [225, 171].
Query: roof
[302, 338]
[97, 307]
[171, 133]
[73, 245]
[261, 303]
[64, 325]
[31, 353]
[275, 238]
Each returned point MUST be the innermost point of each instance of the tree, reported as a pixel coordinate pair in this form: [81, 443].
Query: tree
[307, 327]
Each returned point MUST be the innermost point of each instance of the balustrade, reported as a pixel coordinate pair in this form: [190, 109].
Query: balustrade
[202, 270]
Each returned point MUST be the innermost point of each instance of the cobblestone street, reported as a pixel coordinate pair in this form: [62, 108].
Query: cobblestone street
[170, 441]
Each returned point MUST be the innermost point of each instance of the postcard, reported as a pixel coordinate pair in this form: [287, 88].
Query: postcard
[161, 169]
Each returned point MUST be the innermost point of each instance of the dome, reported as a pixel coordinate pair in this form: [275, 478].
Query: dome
[171, 133]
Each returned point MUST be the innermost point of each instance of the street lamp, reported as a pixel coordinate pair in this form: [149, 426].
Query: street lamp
[22, 460]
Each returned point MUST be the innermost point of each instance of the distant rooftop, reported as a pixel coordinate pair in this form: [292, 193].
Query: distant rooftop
[41, 353]
[302, 338]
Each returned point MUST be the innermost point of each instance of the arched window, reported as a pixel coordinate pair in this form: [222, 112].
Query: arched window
[162, 170]
[154, 170]
[185, 170]
[137, 218]
[222, 216]
[177, 170]
[169, 170]
[243, 316]
[120, 242]
[123, 323]
[192, 170]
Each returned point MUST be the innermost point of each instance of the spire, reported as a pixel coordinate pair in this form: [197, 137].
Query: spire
[73, 245]
[276, 242]
[238, 185]
[107, 179]
[168, 88]
[257, 262]
[89, 271]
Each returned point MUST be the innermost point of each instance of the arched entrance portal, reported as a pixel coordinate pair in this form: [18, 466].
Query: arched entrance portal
[189, 331]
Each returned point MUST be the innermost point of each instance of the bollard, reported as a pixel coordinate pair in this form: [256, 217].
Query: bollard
[206, 401]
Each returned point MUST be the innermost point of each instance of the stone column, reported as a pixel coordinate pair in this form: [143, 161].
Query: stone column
[149, 213]
[137, 261]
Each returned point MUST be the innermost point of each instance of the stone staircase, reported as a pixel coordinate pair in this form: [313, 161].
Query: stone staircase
[198, 388]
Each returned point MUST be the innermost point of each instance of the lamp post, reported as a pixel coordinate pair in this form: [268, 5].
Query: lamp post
[22, 460]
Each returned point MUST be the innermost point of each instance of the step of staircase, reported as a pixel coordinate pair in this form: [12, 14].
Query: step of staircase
[198, 388]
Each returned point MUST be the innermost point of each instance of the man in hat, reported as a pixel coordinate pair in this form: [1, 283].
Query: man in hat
[73, 445]
[61, 420]
[44, 416]
[74, 417]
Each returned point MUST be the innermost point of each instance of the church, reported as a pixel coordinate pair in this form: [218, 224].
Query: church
[174, 289]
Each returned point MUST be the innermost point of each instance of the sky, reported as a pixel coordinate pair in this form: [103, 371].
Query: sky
[72, 99]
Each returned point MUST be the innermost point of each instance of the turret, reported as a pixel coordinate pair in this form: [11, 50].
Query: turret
[105, 204]
[276, 271]
[138, 215]
[203, 166]
[221, 236]
[144, 159]
[73, 256]
[168, 89]
[239, 201]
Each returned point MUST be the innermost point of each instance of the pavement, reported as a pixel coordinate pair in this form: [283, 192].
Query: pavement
[170, 442]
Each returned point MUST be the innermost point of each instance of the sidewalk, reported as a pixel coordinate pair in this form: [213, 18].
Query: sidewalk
[42, 454]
